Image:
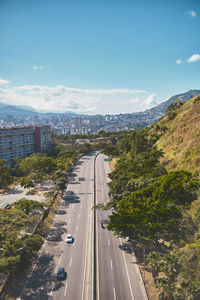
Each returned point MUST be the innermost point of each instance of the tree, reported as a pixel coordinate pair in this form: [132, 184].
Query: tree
[26, 183]
[29, 205]
[155, 211]
[154, 263]
[5, 174]
[41, 165]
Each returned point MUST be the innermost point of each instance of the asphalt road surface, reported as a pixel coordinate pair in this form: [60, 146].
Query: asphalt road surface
[117, 275]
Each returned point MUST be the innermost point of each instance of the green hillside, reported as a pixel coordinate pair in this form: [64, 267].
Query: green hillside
[180, 136]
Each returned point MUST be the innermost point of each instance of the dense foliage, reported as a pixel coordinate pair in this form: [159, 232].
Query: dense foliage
[152, 207]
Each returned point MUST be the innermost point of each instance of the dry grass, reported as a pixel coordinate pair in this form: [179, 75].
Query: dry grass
[181, 141]
[112, 163]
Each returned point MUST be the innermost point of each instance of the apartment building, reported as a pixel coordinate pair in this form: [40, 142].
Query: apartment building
[22, 141]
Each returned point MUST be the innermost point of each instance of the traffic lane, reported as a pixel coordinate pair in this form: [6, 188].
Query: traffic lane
[105, 279]
[74, 260]
[104, 265]
[124, 285]
[136, 284]
[113, 276]
[39, 282]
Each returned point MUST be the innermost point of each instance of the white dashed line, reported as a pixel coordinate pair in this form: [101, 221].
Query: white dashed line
[60, 260]
[70, 264]
[65, 289]
[111, 263]
[114, 294]
[76, 227]
[51, 290]
[108, 242]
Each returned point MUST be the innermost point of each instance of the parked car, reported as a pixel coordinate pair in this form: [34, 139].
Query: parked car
[61, 273]
[69, 239]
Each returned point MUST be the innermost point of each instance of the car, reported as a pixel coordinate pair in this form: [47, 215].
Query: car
[61, 273]
[69, 239]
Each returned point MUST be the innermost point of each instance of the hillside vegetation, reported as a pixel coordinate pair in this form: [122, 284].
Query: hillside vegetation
[154, 196]
[180, 136]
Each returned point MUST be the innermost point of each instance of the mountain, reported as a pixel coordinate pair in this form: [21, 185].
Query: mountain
[25, 111]
[6, 109]
[136, 120]
[161, 108]
[180, 136]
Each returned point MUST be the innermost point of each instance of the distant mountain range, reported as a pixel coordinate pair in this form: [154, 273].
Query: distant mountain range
[25, 111]
[153, 114]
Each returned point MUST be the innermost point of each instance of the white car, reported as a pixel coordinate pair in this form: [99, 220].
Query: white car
[69, 239]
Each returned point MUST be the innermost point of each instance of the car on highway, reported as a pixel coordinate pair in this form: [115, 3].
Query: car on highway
[69, 239]
[61, 273]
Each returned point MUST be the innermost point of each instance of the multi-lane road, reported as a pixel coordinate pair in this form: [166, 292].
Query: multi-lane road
[98, 265]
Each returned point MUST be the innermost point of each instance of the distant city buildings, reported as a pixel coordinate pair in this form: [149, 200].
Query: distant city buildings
[22, 141]
[62, 124]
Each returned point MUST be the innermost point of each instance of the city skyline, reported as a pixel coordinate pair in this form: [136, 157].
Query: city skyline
[97, 58]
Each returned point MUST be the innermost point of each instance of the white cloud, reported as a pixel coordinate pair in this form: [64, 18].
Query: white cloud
[178, 61]
[150, 101]
[3, 81]
[61, 98]
[193, 58]
[134, 100]
[40, 67]
[192, 13]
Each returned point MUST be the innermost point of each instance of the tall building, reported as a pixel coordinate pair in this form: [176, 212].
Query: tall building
[22, 141]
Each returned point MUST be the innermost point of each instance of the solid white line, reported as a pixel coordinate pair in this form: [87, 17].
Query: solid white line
[114, 294]
[108, 242]
[70, 264]
[76, 227]
[127, 272]
[65, 289]
[111, 263]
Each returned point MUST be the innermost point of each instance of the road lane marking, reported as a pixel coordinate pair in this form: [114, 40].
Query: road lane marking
[60, 260]
[70, 264]
[108, 242]
[51, 290]
[65, 289]
[114, 294]
[79, 216]
[127, 271]
[111, 263]
[76, 227]
[69, 221]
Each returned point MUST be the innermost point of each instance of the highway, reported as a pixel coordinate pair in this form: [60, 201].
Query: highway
[117, 276]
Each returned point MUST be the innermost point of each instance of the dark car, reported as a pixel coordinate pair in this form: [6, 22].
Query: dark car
[61, 273]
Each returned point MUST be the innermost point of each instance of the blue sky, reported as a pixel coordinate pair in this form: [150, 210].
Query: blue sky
[112, 56]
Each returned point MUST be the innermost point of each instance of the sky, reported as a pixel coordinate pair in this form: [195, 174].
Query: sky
[99, 56]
